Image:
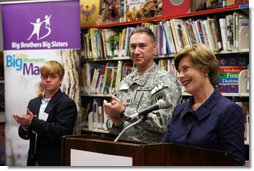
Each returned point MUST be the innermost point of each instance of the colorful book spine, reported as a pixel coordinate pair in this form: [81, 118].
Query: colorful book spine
[228, 80]
[224, 88]
[232, 68]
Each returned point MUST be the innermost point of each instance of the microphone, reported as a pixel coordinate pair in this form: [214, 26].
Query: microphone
[160, 104]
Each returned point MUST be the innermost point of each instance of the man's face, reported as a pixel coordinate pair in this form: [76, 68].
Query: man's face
[142, 49]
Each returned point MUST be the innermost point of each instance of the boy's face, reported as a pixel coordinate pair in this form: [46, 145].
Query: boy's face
[51, 83]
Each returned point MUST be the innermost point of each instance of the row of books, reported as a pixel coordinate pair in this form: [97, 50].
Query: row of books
[168, 65]
[233, 74]
[227, 33]
[103, 78]
[97, 78]
[105, 43]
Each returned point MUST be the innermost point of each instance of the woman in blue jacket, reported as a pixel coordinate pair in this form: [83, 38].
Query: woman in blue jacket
[208, 119]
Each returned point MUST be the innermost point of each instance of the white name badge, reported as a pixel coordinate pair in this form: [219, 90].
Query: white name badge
[44, 116]
[124, 87]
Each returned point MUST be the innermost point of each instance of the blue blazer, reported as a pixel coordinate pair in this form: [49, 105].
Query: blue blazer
[62, 116]
[217, 124]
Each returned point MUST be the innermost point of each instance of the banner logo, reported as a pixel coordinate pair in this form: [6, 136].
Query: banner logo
[22, 63]
[38, 25]
[41, 26]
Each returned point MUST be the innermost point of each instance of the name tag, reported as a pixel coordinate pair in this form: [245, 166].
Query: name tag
[43, 116]
[124, 87]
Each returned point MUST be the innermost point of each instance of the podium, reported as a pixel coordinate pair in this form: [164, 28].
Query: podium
[87, 150]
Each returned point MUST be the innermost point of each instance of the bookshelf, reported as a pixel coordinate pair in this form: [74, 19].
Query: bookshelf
[165, 57]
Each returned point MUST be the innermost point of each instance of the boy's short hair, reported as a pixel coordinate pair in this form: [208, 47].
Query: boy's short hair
[52, 68]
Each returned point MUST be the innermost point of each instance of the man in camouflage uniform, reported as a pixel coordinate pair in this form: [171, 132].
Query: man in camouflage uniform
[140, 89]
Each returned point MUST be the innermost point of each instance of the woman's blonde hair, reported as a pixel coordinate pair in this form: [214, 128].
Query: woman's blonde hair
[203, 58]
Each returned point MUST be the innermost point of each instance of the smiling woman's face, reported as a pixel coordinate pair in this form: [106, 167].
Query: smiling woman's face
[193, 79]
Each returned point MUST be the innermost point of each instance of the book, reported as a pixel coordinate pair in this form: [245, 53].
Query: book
[223, 33]
[161, 40]
[228, 80]
[176, 25]
[142, 9]
[100, 117]
[109, 12]
[200, 32]
[243, 82]
[225, 88]
[127, 40]
[179, 7]
[86, 109]
[232, 68]
[89, 12]
[95, 114]
[94, 80]
[233, 61]
[235, 30]
[209, 33]
[198, 5]
[190, 32]
[243, 32]
[229, 31]
[86, 78]
[92, 32]
[215, 29]
[169, 37]
[119, 73]
[127, 68]
[100, 79]
[99, 44]
[107, 78]
[121, 42]
[229, 75]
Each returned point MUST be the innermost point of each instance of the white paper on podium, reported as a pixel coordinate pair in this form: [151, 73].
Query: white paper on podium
[87, 158]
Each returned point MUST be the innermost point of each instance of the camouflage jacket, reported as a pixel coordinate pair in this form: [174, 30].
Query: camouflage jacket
[138, 93]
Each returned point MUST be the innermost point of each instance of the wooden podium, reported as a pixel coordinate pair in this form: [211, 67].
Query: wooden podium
[102, 151]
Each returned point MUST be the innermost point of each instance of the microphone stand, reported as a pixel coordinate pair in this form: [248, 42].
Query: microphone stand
[129, 126]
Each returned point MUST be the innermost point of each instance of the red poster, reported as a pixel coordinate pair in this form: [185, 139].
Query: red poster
[175, 7]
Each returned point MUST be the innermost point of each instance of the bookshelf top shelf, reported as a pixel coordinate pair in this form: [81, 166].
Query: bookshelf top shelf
[161, 18]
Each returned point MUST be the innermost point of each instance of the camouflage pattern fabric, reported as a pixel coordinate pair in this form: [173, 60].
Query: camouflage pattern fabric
[138, 92]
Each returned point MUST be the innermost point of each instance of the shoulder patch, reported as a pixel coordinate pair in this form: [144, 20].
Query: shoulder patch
[160, 96]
